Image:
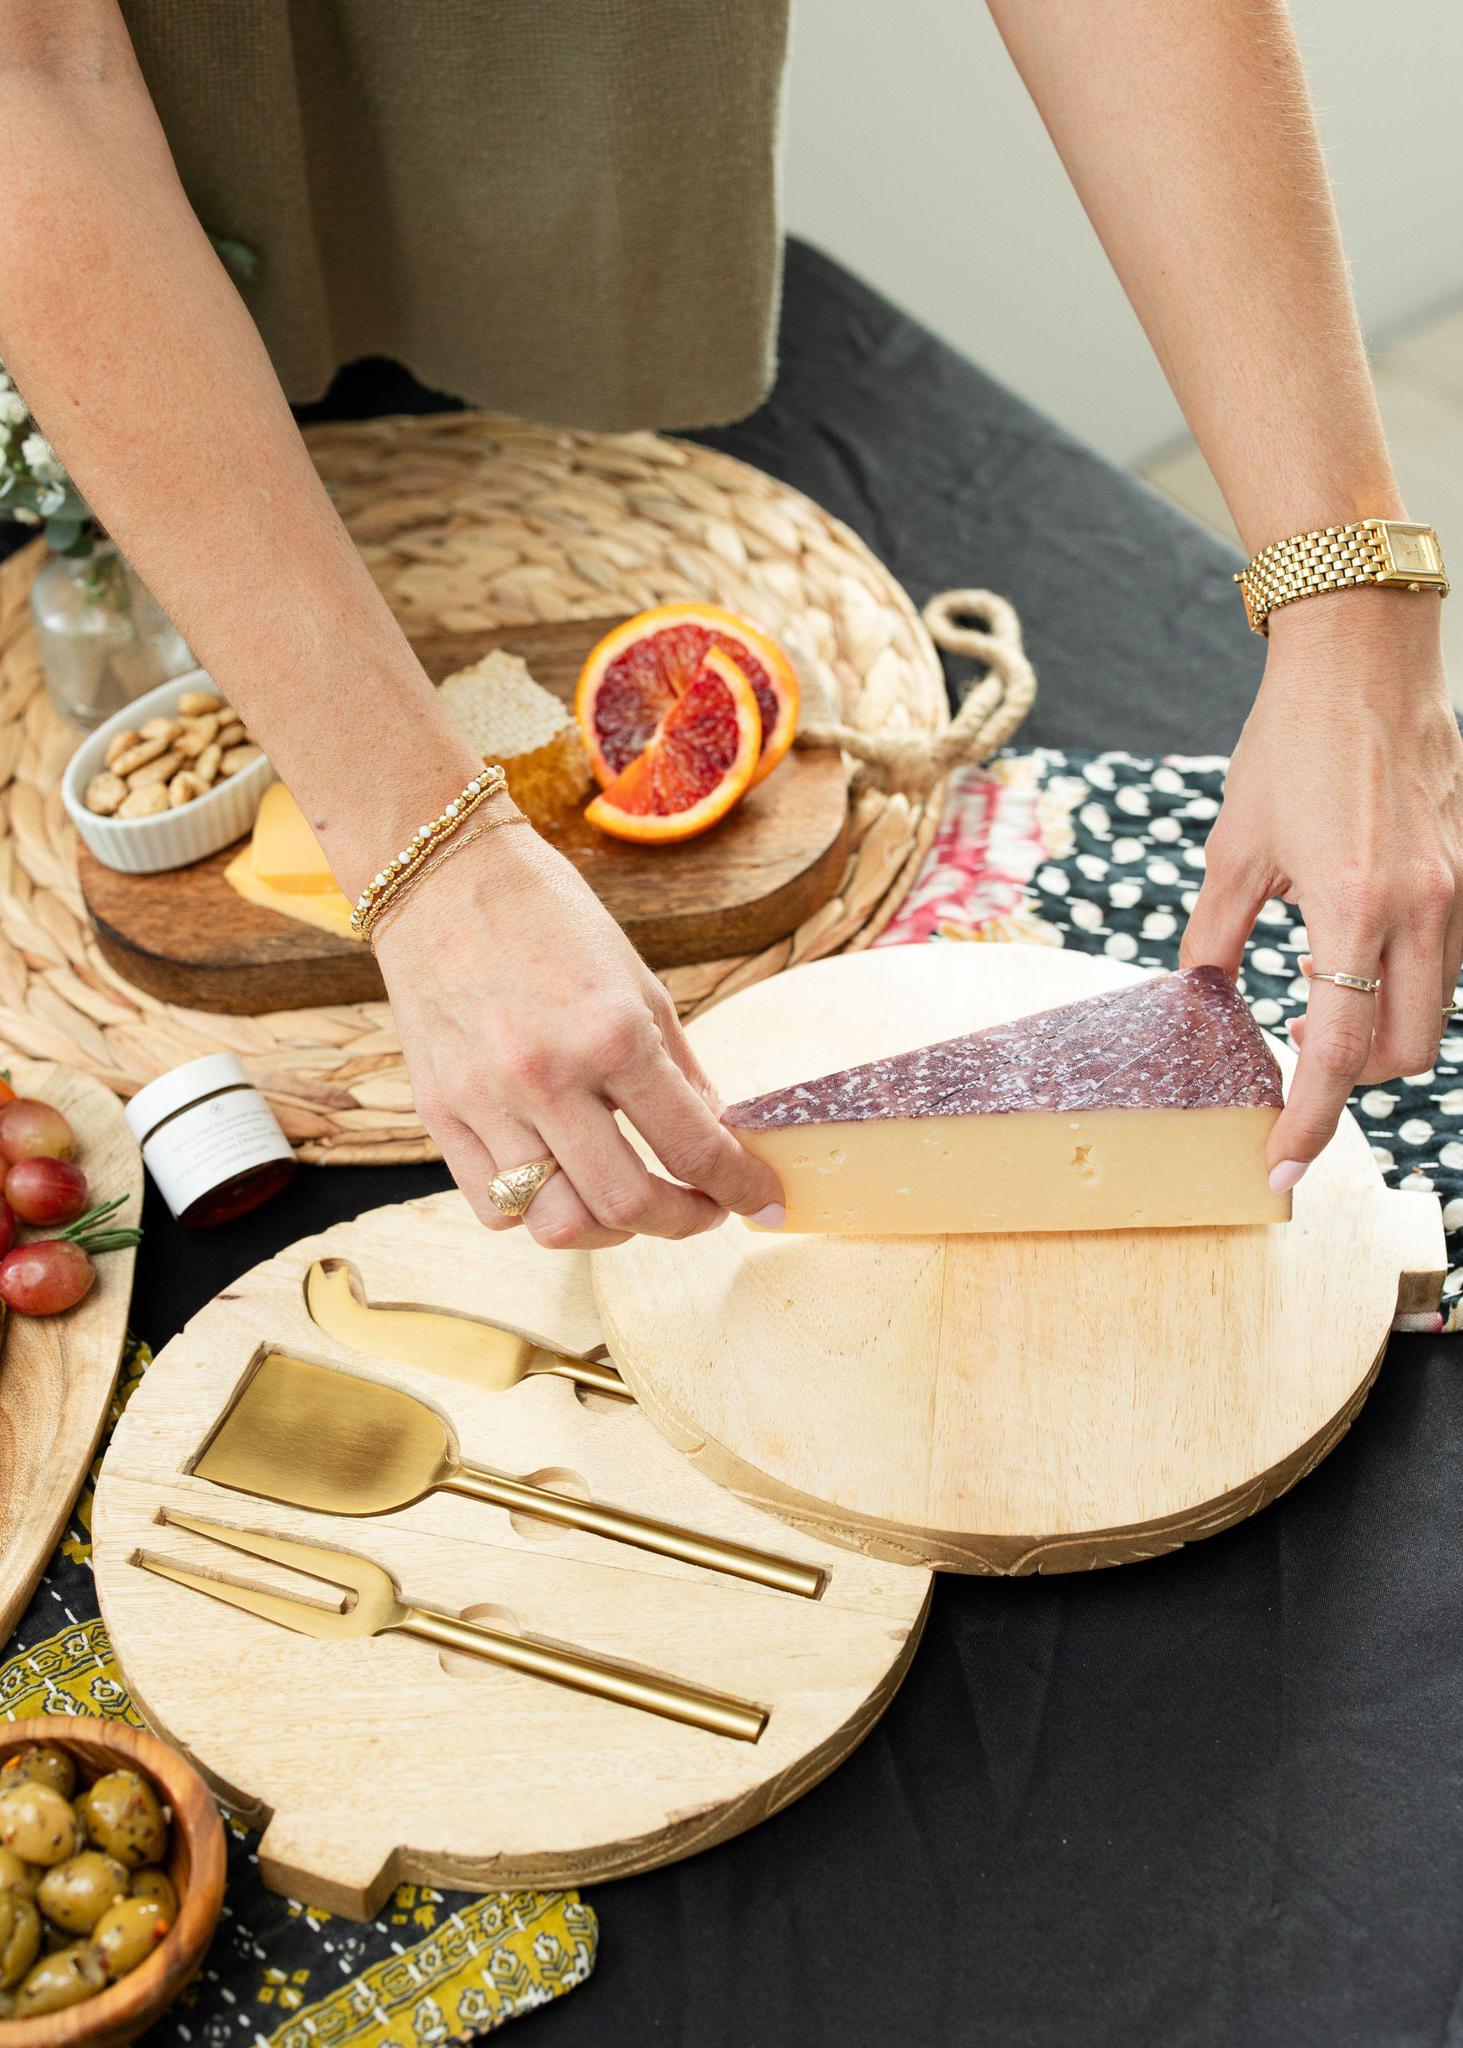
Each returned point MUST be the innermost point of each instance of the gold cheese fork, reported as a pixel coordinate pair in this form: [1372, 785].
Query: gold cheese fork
[377, 1607]
[457, 1347]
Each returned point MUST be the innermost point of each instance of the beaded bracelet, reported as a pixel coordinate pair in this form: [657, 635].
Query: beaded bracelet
[373, 898]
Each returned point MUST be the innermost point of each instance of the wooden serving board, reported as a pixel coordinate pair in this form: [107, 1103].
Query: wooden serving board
[187, 937]
[1006, 1404]
[57, 1372]
[375, 1761]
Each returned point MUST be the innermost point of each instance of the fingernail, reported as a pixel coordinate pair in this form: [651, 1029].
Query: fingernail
[773, 1217]
[1284, 1176]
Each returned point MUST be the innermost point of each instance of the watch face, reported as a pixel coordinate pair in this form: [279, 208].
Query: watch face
[1414, 550]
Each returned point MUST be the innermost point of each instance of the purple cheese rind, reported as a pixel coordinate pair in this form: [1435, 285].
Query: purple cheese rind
[1177, 1041]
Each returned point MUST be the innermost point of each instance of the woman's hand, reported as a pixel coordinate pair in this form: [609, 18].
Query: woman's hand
[527, 1019]
[1345, 796]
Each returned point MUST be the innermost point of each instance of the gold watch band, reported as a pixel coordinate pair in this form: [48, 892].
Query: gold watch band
[1389, 551]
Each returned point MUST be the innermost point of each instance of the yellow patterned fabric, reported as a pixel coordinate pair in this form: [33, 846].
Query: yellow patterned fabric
[435, 1969]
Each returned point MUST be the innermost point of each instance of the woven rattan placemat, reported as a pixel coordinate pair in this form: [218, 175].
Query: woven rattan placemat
[470, 521]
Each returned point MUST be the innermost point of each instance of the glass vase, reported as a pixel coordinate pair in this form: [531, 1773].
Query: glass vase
[103, 637]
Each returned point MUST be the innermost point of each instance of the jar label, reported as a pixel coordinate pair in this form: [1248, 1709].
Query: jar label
[200, 1148]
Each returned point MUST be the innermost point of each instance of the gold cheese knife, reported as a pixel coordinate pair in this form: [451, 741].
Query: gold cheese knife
[317, 1436]
[378, 1607]
[457, 1347]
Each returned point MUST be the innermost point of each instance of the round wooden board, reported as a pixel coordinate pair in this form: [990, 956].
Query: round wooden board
[1005, 1404]
[57, 1372]
[373, 1761]
[188, 937]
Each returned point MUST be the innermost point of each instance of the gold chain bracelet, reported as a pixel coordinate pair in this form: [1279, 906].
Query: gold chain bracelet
[379, 892]
[1387, 551]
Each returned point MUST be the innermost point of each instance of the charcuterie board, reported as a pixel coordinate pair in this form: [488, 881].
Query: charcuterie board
[57, 1372]
[1006, 1404]
[439, 1769]
[188, 937]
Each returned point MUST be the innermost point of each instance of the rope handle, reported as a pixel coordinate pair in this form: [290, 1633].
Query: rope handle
[990, 712]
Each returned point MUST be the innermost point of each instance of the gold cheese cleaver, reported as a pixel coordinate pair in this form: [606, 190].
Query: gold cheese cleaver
[456, 1347]
[316, 1436]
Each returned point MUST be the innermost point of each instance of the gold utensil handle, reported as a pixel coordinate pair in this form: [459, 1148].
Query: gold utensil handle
[718, 1713]
[762, 1567]
[599, 1379]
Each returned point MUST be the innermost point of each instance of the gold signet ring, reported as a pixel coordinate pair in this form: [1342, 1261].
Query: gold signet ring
[511, 1192]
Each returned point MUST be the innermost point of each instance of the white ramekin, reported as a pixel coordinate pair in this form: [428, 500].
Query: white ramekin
[171, 839]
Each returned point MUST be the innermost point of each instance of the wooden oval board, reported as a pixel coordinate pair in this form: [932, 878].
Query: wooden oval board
[373, 1761]
[57, 1372]
[188, 937]
[1005, 1404]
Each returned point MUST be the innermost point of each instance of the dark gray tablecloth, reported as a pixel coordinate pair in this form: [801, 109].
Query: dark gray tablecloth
[1208, 1802]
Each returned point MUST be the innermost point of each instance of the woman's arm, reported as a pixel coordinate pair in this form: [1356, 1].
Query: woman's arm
[1188, 132]
[523, 1011]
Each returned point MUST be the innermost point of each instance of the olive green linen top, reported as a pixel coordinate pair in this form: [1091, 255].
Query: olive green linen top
[564, 209]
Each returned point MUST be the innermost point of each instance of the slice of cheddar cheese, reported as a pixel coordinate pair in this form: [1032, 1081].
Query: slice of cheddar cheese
[1144, 1109]
[319, 907]
[287, 855]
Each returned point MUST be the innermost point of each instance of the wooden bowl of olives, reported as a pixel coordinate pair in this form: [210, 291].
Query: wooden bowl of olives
[111, 1880]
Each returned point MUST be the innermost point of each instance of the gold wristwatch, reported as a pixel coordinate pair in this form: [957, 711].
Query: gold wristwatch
[1387, 551]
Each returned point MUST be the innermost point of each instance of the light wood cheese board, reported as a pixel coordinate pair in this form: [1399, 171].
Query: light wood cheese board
[189, 937]
[1006, 1404]
[57, 1372]
[369, 1762]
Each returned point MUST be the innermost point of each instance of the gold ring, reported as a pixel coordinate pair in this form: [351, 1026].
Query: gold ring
[511, 1192]
[1364, 984]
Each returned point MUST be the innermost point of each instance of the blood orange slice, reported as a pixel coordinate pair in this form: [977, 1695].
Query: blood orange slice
[631, 679]
[701, 757]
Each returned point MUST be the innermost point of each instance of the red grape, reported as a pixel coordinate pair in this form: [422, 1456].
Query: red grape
[34, 1130]
[7, 1227]
[43, 1278]
[46, 1191]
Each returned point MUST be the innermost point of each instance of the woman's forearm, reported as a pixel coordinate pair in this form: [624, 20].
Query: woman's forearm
[147, 374]
[1187, 130]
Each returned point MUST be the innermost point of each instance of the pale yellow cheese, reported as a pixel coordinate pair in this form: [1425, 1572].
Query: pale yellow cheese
[1110, 1169]
[319, 907]
[287, 855]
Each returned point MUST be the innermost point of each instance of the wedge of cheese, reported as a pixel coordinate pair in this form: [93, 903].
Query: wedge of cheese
[1145, 1109]
[325, 908]
[287, 855]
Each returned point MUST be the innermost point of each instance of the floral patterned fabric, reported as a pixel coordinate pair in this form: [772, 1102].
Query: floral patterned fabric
[1105, 853]
[435, 1970]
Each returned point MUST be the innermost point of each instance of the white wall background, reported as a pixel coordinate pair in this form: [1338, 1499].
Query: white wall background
[915, 156]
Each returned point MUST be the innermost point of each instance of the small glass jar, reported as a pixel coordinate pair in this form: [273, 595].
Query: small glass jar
[104, 639]
[210, 1141]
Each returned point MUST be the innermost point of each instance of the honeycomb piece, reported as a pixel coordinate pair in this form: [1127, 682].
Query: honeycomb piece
[510, 719]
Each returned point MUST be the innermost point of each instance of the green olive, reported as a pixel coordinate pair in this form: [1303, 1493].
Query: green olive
[128, 1932]
[156, 1885]
[45, 1764]
[20, 1937]
[38, 1824]
[123, 1817]
[7, 2006]
[76, 1893]
[64, 1978]
[16, 1875]
[81, 1807]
